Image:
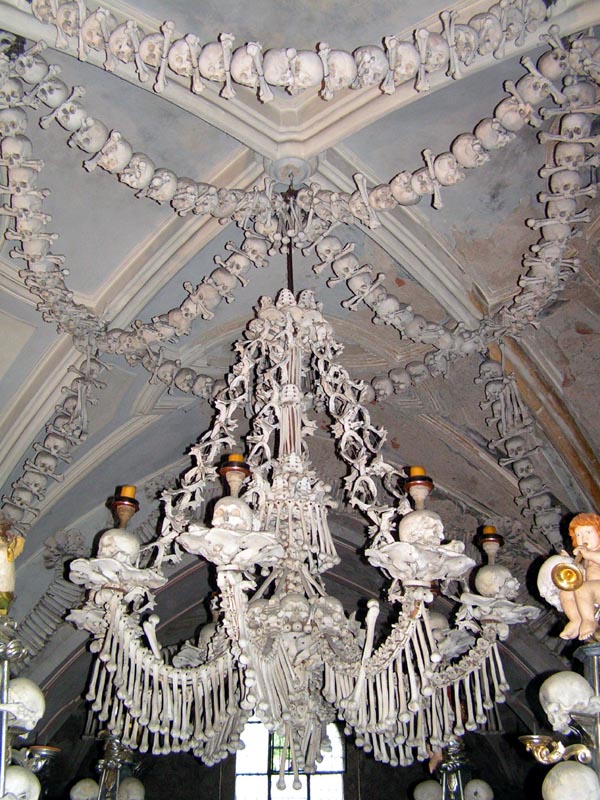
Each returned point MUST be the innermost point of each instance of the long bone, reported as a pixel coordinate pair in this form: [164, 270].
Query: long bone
[77, 93]
[193, 43]
[580, 216]
[254, 50]
[592, 161]
[448, 20]
[149, 627]
[470, 724]
[144, 698]
[167, 30]
[548, 113]
[422, 83]
[226, 40]
[154, 721]
[323, 50]
[544, 137]
[361, 183]
[429, 161]
[175, 717]
[586, 191]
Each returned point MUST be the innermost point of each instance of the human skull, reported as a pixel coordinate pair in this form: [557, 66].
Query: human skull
[571, 779]
[565, 181]
[562, 209]
[52, 92]
[466, 42]
[306, 71]
[523, 467]
[416, 327]
[469, 151]
[563, 694]
[243, 69]
[421, 527]
[277, 66]
[91, 136]
[530, 485]
[11, 92]
[489, 370]
[67, 18]
[512, 114]
[294, 613]
[96, 28]
[151, 48]
[184, 379]
[211, 62]
[580, 94]
[437, 53]
[371, 66]
[447, 169]
[162, 186]
[576, 126]
[478, 790]
[13, 121]
[115, 154]
[554, 64]
[203, 386]
[407, 62]
[381, 198]
[256, 249]
[131, 788]
[166, 372]
[402, 189]
[515, 446]
[437, 364]
[533, 89]
[342, 70]
[122, 41]
[71, 115]
[383, 387]
[186, 194]
[232, 513]
[35, 481]
[119, 544]
[180, 58]
[428, 790]
[494, 580]
[26, 704]
[422, 182]
[386, 309]
[400, 379]
[21, 783]
[32, 68]
[85, 789]
[138, 172]
[490, 32]
[492, 134]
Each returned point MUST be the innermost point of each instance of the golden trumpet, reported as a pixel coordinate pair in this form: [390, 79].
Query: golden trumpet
[568, 577]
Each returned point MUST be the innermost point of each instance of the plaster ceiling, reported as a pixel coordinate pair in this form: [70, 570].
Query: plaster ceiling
[128, 258]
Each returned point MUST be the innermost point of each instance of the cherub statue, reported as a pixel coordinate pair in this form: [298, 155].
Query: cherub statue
[579, 604]
[11, 546]
[230, 542]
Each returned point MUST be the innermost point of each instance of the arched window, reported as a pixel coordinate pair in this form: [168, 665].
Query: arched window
[257, 768]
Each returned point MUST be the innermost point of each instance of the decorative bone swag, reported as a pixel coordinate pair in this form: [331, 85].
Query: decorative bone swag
[280, 647]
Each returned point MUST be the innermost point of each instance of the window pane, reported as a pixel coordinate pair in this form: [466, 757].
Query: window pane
[289, 793]
[327, 787]
[253, 759]
[251, 787]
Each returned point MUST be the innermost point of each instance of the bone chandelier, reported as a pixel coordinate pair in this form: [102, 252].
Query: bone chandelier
[280, 646]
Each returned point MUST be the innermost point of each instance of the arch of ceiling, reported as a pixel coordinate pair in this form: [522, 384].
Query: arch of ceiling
[233, 119]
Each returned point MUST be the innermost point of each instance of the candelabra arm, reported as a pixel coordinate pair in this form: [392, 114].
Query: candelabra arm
[548, 751]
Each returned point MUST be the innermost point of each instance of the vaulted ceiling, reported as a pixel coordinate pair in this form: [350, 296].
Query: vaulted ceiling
[458, 257]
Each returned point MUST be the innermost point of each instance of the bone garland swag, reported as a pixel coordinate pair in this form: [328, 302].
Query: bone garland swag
[280, 647]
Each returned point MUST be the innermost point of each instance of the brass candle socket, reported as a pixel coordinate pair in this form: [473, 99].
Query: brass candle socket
[548, 751]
